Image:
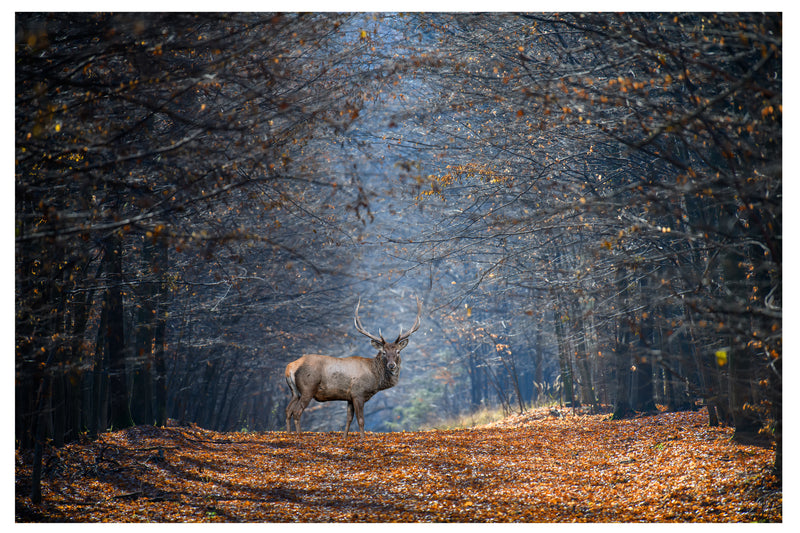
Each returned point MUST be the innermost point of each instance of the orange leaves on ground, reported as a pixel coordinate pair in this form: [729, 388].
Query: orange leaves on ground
[529, 468]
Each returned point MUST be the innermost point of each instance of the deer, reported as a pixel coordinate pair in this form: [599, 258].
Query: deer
[352, 379]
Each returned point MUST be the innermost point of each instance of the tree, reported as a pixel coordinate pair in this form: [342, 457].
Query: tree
[655, 134]
[589, 199]
[147, 145]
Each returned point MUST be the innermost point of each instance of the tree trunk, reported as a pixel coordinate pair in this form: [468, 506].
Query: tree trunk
[624, 339]
[776, 381]
[742, 373]
[142, 386]
[160, 371]
[475, 376]
[563, 356]
[159, 336]
[582, 356]
[538, 374]
[622, 404]
[119, 410]
[644, 399]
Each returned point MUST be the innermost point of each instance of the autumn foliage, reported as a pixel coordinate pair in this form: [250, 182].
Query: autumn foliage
[590, 205]
[536, 467]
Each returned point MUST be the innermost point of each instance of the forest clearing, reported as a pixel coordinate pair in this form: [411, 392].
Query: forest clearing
[578, 208]
[671, 467]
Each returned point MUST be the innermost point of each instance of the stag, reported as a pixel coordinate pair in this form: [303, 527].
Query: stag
[351, 379]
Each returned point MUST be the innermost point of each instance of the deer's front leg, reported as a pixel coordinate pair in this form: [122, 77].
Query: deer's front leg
[358, 407]
[349, 417]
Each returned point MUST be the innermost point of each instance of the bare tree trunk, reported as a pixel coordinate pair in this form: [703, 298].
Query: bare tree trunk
[563, 355]
[119, 410]
[582, 356]
[624, 340]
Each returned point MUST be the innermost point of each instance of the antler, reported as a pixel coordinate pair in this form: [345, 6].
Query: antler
[415, 327]
[361, 329]
[380, 338]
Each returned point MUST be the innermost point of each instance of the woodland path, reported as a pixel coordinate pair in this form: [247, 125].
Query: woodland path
[529, 468]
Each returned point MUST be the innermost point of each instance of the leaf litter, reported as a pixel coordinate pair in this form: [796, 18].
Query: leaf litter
[670, 467]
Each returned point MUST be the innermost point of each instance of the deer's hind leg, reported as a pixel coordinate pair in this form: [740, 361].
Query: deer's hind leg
[298, 407]
[290, 412]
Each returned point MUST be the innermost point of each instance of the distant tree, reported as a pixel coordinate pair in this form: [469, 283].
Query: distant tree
[164, 162]
[656, 138]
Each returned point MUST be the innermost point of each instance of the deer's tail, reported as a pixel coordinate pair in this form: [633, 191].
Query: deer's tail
[290, 371]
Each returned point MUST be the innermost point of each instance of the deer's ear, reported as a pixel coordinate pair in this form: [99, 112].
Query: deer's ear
[377, 344]
[402, 344]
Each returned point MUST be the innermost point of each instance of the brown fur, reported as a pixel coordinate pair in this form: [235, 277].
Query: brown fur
[351, 379]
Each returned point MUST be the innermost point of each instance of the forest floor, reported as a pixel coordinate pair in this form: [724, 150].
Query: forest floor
[669, 467]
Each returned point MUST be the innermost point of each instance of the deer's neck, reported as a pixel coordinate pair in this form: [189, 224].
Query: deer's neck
[386, 378]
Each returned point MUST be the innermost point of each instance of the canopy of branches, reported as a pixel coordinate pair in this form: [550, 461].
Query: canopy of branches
[590, 205]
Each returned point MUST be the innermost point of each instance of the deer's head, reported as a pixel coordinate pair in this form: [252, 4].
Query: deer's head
[389, 352]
